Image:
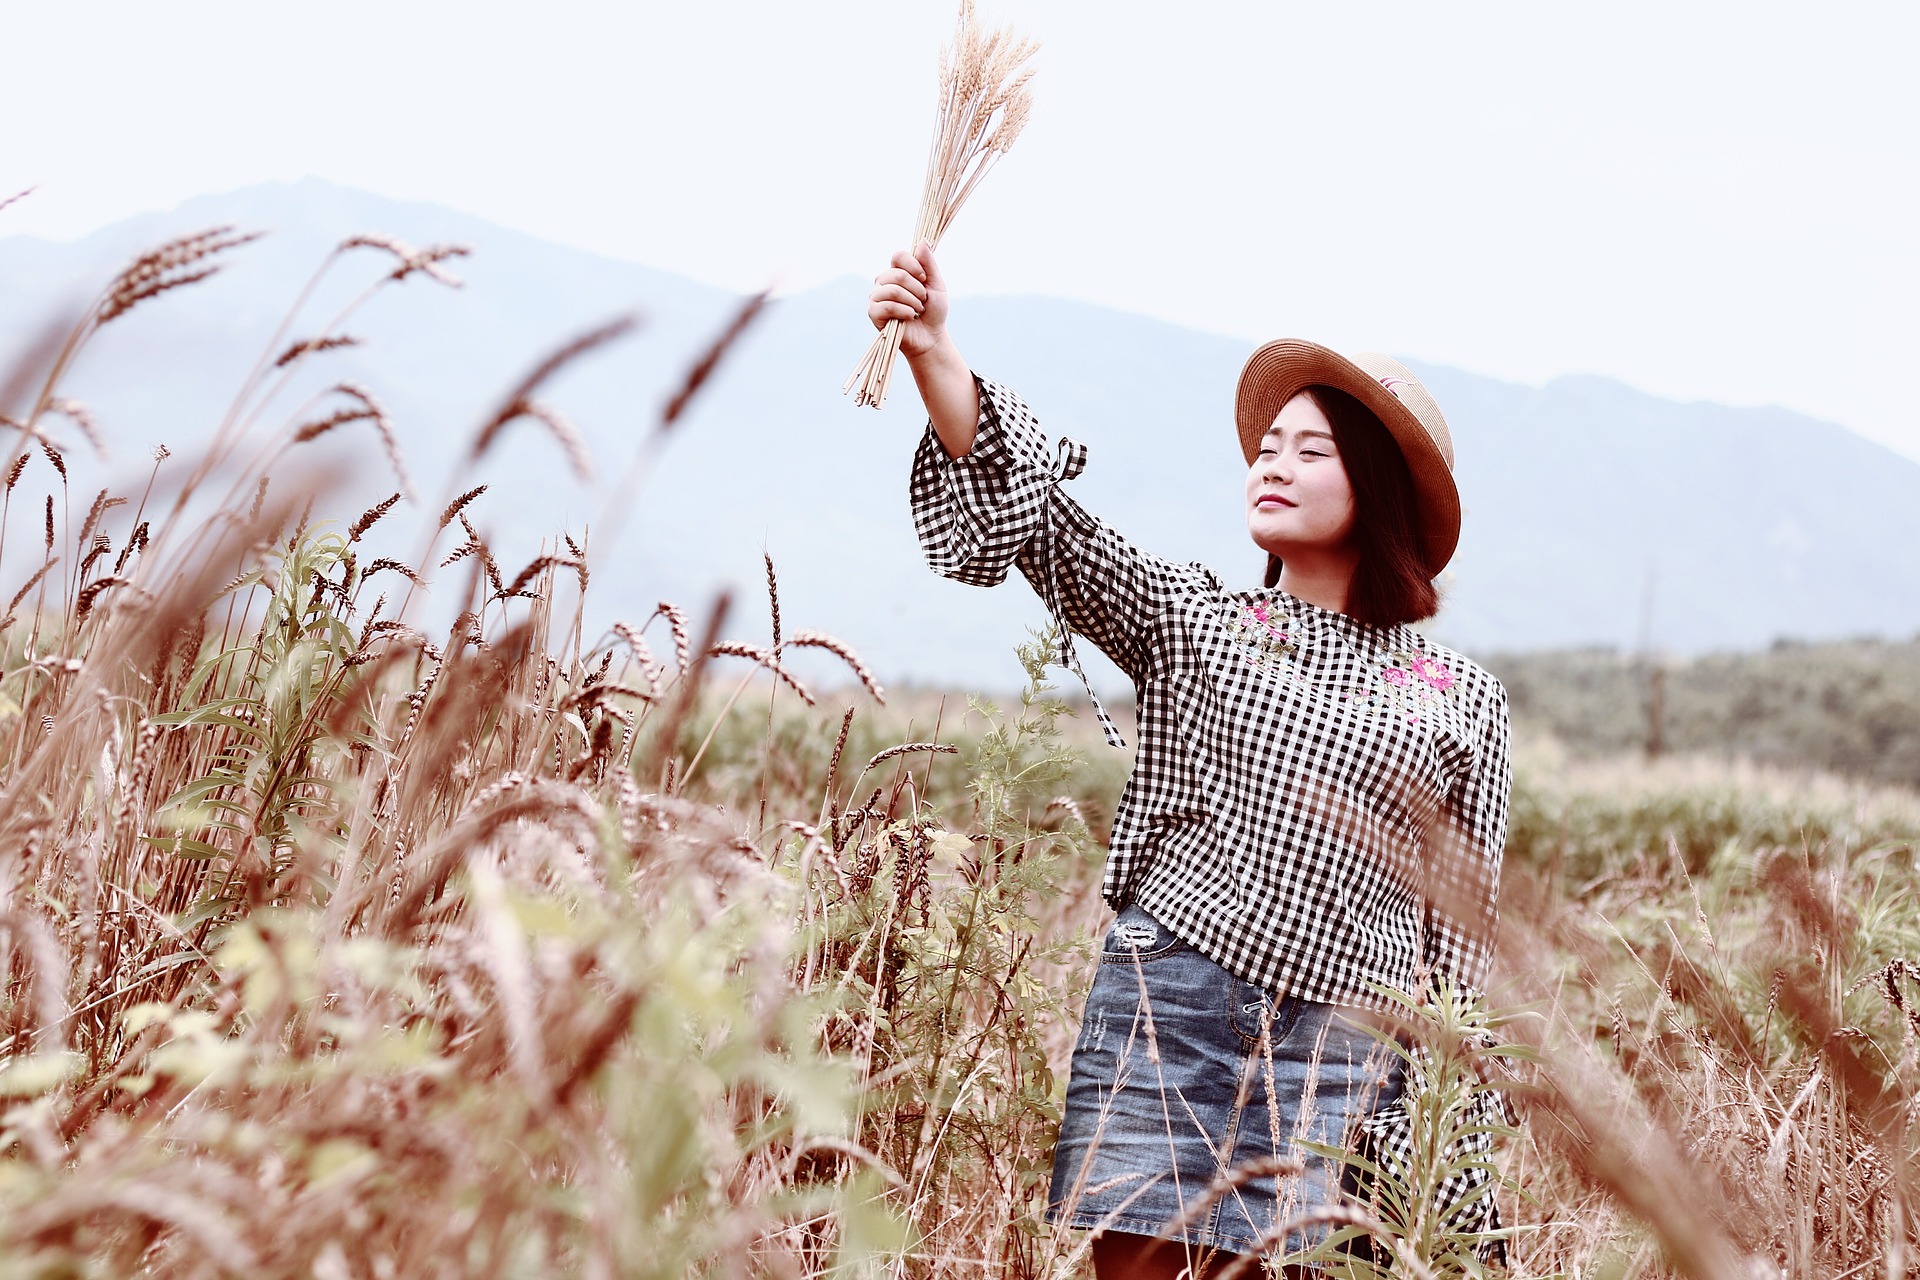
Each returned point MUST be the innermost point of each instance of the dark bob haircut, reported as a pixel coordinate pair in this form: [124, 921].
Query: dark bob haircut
[1390, 583]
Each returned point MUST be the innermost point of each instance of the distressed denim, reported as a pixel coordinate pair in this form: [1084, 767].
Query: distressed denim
[1183, 1077]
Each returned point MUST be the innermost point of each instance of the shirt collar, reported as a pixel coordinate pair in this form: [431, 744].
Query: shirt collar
[1325, 621]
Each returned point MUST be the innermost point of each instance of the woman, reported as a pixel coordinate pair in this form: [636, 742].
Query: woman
[1317, 808]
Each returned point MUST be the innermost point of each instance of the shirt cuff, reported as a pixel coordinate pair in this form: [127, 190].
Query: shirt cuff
[991, 445]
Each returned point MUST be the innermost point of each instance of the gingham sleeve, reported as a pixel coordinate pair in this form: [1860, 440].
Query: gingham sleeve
[1463, 861]
[1002, 504]
[1463, 854]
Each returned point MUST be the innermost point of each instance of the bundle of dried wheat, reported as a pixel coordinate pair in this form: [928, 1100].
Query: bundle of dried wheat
[984, 103]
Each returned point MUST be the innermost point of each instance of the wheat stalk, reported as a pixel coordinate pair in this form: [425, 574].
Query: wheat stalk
[983, 104]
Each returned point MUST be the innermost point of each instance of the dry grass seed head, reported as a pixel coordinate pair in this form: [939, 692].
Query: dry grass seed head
[1888, 979]
[393, 566]
[100, 546]
[459, 504]
[369, 517]
[842, 650]
[773, 600]
[488, 563]
[427, 262]
[310, 346]
[537, 566]
[476, 546]
[362, 694]
[636, 643]
[318, 427]
[1071, 806]
[170, 266]
[839, 746]
[465, 631]
[935, 748]
[677, 623]
[1019, 109]
[410, 260]
[766, 658]
[383, 425]
[979, 114]
[78, 414]
[702, 369]
[477, 681]
[515, 403]
[30, 584]
[572, 444]
[102, 504]
[136, 543]
[91, 592]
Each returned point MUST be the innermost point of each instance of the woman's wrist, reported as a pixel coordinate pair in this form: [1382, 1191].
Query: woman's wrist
[942, 353]
[948, 391]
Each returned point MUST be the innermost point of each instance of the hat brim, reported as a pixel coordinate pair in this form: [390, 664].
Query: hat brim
[1276, 372]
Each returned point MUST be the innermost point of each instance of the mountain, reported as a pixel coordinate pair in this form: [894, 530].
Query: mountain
[1587, 501]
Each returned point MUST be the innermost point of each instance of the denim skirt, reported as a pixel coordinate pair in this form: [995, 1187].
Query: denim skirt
[1185, 1078]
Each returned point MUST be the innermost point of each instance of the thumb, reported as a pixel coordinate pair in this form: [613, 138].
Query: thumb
[924, 252]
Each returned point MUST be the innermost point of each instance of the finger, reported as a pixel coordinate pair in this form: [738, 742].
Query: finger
[881, 312]
[899, 294]
[929, 269]
[893, 275]
[910, 263]
[900, 280]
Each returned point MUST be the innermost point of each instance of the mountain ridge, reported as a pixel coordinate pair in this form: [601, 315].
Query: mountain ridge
[1583, 495]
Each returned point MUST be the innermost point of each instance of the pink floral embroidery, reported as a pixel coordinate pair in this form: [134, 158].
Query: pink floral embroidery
[1433, 671]
[1265, 638]
[1409, 683]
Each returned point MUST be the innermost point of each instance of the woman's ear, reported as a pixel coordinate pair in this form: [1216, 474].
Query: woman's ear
[1273, 570]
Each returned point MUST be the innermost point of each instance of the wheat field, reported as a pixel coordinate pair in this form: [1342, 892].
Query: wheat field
[335, 948]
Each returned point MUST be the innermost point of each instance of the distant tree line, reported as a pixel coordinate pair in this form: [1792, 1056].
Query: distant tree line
[1848, 707]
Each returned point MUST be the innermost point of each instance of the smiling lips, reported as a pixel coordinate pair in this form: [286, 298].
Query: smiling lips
[1273, 500]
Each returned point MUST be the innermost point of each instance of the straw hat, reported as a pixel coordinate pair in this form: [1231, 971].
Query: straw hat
[1279, 369]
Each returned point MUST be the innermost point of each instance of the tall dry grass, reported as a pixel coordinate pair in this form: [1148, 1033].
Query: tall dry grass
[330, 947]
[1722, 964]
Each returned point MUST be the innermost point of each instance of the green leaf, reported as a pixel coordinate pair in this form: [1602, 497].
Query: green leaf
[172, 960]
[202, 911]
[185, 847]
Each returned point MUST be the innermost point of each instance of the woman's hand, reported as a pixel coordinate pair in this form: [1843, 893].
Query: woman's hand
[912, 292]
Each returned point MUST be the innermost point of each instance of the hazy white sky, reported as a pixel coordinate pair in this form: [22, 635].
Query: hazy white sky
[1707, 200]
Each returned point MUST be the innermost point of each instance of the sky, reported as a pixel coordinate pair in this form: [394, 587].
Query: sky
[1705, 200]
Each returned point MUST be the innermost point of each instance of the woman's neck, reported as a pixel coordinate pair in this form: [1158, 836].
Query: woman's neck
[1321, 579]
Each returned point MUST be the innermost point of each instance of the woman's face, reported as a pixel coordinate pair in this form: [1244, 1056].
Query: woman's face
[1298, 497]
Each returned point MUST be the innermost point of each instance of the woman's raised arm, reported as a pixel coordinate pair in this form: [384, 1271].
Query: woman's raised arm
[986, 494]
[913, 292]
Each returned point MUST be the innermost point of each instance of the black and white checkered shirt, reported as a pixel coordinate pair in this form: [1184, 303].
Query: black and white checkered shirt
[1317, 804]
